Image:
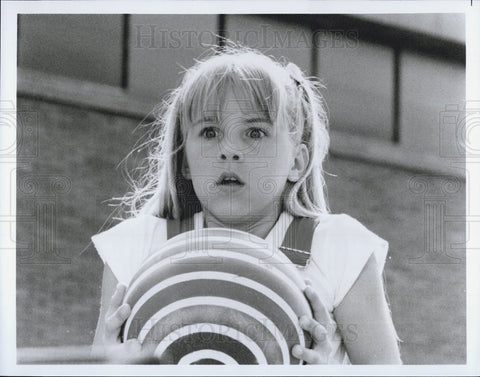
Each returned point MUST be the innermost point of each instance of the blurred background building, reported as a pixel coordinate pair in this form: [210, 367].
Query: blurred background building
[395, 89]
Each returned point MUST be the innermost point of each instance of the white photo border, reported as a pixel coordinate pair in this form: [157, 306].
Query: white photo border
[10, 10]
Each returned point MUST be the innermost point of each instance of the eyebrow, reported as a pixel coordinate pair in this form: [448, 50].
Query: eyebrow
[200, 120]
[258, 119]
[249, 120]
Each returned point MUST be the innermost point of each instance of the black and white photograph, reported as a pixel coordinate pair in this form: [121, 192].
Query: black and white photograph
[203, 187]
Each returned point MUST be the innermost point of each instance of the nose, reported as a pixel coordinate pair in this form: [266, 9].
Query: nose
[230, 151]
[232, 147]
[230, 156]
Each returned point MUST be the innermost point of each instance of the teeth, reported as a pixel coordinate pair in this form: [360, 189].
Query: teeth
[228, 180]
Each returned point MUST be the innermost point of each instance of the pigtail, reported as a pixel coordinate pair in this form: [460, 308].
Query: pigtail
[307, 197]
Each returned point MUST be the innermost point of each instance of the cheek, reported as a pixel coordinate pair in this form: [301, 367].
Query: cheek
[279, 157]
[202, 174]
[192, 152]
[269, 181]
[269, 150]
[201, 149]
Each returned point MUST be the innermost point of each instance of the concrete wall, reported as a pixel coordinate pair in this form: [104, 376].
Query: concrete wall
[391, 91]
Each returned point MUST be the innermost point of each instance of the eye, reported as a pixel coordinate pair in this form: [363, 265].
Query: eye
[209, 132]
[256, 133]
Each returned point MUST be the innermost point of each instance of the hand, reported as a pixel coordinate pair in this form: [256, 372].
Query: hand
[116, 315]
[129, 352]
[316, 326]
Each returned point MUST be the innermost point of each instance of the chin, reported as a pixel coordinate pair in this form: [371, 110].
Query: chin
[244, 214]
[232, 216]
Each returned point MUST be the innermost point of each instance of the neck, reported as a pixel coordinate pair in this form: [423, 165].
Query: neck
[259, 227]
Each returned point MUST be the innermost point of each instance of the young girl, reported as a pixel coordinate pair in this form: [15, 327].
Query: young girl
[240, 144]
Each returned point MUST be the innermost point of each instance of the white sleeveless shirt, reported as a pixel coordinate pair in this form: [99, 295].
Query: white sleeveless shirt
[341, 246]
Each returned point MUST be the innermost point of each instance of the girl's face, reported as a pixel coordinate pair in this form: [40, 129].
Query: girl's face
[239, 161]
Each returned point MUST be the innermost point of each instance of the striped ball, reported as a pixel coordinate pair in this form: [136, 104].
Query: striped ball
[218, 296]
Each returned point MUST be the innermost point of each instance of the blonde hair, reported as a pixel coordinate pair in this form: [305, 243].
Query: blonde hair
[278, 88]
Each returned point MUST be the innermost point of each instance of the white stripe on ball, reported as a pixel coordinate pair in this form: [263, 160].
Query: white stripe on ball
[212, 328]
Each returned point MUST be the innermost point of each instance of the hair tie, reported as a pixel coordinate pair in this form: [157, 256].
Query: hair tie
[295, 73]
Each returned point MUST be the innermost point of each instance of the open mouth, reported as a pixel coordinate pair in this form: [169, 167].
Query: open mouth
[229, 179]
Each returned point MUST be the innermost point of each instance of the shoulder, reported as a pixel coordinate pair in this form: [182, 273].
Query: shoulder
[341, 247]
[129, 230]
[124, 246]
[342, 231]
[339, 223]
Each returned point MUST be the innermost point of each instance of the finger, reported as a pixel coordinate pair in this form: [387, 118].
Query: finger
[145, 355]
[116, 299]
[123, 352]
[310, 356]
[133, 346]
[118, 317]
[318, 332]
[320, 312]
[131, 352]
[115, 321]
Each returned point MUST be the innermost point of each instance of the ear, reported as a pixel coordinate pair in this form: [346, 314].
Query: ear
[300, 163]
[185, 169]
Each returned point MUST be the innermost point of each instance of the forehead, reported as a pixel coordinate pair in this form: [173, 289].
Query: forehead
[237, 99]
[228, 93]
